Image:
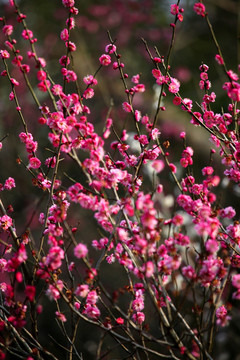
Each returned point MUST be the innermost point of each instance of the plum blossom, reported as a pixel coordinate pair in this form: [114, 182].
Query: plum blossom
[174, 9]
[127, 107]
[53, 290]
[54, 257]
[139, 317]
[80, 251]
[222, 317]
[174, 86]
[34, 163]
[236, 281]
[5, 222]
[105, 60]
[9, 184]
[199, 8]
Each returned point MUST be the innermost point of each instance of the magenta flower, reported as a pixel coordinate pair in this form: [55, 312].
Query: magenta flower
[80, 251]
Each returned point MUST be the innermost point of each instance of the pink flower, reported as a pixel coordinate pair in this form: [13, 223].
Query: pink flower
[71, 46]
[177, 100]
[158, 165]
[154, 134]
[173, 168]
[149, 220]
[41, 75]
[52, 291]
[219, 59]
[222, 317]
[64, 61]
[120, 321]
[80, 251]
[3, 265]
[50, 162]
[232, 75]
[9, 184]
[64, 35]
[54, 257]
[11, 96]
[57, 89]
[234, 93]
[14, 82]
[61, 316]
[174, 86]
[186, 159]
[92, 297]
[149, 269]
[228, 212]
[199, 8]
[30, 292]
[156, 73]
[42, 62]
[139, 317]
[127, 107]
[5, 222]
[92, 312]
[82, 290]
[7, 29]
[212, 246]
[105, 60]
[110, 48]
[187, 104]
[70, 23]
[27, 34]
[174, 9]
[88, 93]
[34, 163]
[236, 281]
[68, 3]
[138, 304]
[137, 115]
[90, 80]
[189, 272]
[71, 76]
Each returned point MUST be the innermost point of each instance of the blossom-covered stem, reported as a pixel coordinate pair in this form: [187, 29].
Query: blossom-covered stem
[167, 66]
[15, 52]
[201, 123]
[112, 332]
[144, 333]
[126, 329]
[103, 254]
[215, 305]
[172, 40]
[125, 85]
[216, 42]
[167, 298]
[162, 87]
[62, 326]
[26, 28]
[166, 323]
[50, 200]
[38, 64]
[11, 228]
[15, 97]
[168, 163]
